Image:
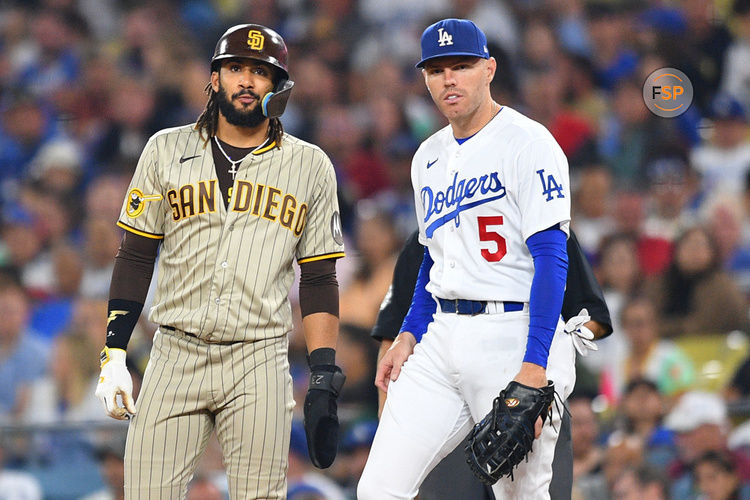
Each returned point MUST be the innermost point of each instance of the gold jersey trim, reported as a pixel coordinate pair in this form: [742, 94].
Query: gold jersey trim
[139, 232]
[265, 148]
[336, 255]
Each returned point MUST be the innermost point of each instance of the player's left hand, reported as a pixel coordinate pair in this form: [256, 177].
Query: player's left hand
[583, 337]
[533, 375]
[502, 439]
[321, 412]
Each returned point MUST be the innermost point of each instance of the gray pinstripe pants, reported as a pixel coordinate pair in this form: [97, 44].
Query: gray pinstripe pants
[242, 389]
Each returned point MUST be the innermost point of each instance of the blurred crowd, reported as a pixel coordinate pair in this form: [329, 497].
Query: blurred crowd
[661, 207]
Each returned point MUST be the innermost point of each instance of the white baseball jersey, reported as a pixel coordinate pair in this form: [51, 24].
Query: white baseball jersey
[477, 203]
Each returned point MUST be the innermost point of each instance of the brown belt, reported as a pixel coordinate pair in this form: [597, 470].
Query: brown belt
[173, 329]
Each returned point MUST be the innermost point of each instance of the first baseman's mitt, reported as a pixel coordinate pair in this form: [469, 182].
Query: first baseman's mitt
[504, 437]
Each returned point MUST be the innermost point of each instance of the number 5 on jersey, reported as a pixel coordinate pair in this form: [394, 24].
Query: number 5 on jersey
[492, 236]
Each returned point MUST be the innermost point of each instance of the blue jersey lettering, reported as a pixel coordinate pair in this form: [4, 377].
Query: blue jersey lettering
[451, 199]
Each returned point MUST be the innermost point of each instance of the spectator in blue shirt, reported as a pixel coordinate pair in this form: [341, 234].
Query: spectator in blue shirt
[22, 357]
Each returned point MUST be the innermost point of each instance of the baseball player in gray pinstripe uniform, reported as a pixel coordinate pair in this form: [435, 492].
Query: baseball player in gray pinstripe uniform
[231, 201]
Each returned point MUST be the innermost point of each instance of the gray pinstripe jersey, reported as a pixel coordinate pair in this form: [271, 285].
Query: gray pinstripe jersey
[224, 274]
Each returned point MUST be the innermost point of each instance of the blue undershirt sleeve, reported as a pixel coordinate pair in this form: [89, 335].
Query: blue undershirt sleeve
[548, 249]
[423, 306]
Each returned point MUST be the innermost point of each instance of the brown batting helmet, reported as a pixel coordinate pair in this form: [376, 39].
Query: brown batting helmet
[254, 41]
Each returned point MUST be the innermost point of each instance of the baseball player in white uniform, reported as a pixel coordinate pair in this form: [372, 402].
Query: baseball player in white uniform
[493, 206]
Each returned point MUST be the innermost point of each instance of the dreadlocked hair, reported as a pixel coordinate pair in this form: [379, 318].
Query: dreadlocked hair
[275, 131]
[208, 121]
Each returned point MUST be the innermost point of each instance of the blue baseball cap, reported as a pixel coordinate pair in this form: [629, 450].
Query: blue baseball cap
[360, 434]
[17, 215]
[726, 107]
[453, 37]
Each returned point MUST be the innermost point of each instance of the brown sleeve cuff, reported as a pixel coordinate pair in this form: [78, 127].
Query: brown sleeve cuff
[318, 287]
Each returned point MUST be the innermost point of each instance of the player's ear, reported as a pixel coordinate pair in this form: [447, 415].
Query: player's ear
[491, 68]
[215, 80]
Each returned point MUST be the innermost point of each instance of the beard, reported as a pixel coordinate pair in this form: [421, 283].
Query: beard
[250, 118]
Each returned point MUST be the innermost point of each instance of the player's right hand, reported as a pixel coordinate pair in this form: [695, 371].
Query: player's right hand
[390, 366]
[115, 379]
[583, 337]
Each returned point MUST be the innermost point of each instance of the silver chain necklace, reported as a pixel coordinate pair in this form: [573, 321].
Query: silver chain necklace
[234, 164]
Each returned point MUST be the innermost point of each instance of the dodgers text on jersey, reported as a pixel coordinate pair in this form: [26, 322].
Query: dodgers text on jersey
[435, 202]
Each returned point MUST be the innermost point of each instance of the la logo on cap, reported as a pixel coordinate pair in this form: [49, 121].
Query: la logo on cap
[444, 38]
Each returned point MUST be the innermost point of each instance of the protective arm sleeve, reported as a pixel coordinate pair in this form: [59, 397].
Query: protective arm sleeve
[131, 277]
[548, 249]
[422, 304]
[318, 287]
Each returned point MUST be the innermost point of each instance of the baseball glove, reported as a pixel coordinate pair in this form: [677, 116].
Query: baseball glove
[504, 437]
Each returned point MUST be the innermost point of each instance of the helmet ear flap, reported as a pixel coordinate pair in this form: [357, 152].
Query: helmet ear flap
[274, 103]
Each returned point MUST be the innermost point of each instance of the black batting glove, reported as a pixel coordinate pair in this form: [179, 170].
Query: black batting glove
[321, 419]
